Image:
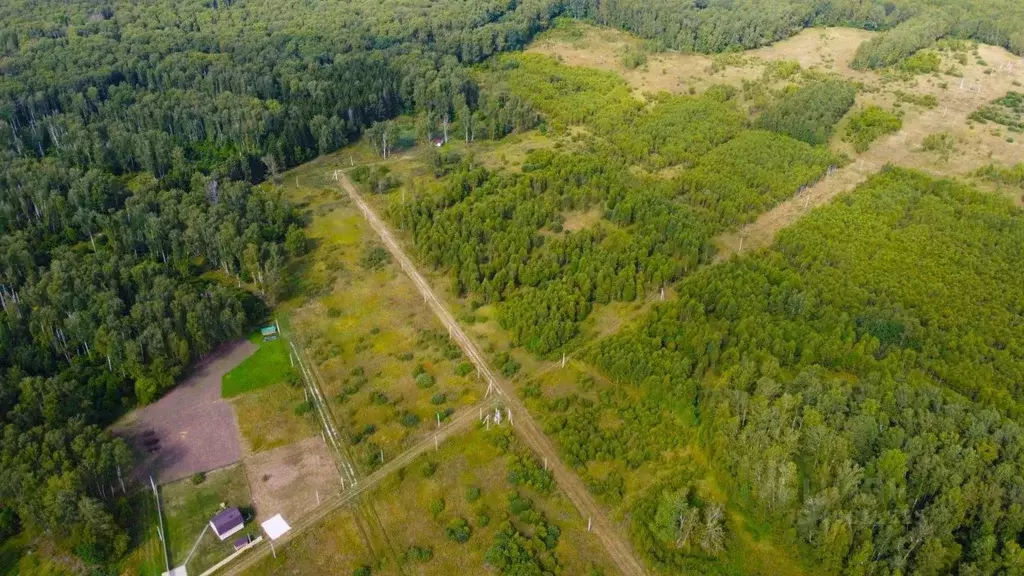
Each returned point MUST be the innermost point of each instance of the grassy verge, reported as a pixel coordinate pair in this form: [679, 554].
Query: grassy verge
[147, 555]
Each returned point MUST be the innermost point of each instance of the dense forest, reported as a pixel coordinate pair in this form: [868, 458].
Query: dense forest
[131, 240]
[859, 382]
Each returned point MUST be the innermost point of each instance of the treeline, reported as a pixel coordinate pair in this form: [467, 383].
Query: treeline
[859, 382]
[903, 41]
[130, 238]
[712, 26]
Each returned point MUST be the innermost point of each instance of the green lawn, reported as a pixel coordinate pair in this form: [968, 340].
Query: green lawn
[187, 511]
[268, 365]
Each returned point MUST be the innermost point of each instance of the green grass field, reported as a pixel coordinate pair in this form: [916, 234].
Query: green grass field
[267, 366]
[188, 508]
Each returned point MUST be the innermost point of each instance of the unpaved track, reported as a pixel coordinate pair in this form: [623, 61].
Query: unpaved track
[761, 232]
[462, 420]
[619, 551]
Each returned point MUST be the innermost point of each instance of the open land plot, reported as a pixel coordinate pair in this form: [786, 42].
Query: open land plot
[334, 546]
[268, 365]
[389, 372]
[421, 508]
[289, 479]
[188, 508]
[477, 477]
[269, 400]
[191, 429]
[273, 417]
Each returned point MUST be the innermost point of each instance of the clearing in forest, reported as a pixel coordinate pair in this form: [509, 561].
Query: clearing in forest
[389, 372]
[191, 429]
[929, 105]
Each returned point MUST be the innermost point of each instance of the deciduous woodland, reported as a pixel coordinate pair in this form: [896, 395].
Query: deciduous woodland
[859, 383]
[843, 381]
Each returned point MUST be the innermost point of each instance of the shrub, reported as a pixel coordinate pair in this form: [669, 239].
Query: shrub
[439, 398]
[418, 554]
[943, 143]
[428, 469]
[458, 530]
[367, 430]
[303, 408]
[483, 519]
[870, 124]
[425, 381]
[295, 241]
[463, 368]
[410, 420]
[363, 570]
[507, 364]
[436, 507]
[923, 62]
[198, 478]
[472, 494]
[374, 257]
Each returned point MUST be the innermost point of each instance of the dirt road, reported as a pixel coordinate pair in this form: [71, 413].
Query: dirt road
[462, 420]
[527, 429]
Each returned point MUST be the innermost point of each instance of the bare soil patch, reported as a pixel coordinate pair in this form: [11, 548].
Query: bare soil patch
[191, 429]
[286, 480]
